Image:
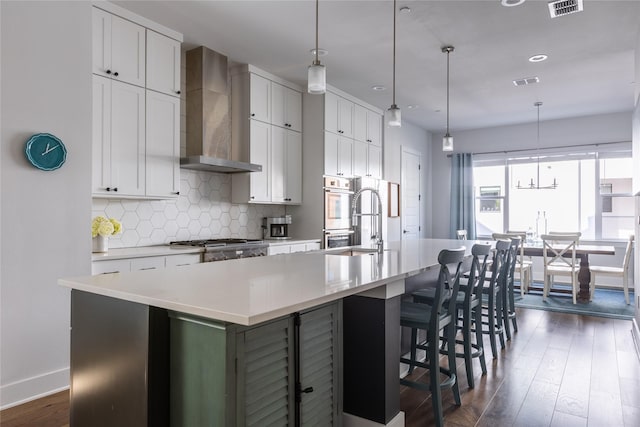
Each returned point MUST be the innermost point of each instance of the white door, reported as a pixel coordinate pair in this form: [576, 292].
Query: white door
[127, 51]
[260, 93]
[410, 195]
[127, 139]
[163, 145]
[260, 153]
[163, 64]
[278, 171]
[293, 167]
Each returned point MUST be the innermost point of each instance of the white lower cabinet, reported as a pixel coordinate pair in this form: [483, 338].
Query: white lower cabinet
[143, 263]
[290, 248]
[260, 375]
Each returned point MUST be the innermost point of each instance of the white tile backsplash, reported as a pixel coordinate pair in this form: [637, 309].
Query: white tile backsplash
[202, 211]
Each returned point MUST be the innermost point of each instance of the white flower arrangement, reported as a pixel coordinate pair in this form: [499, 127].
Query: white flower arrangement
[101, 226]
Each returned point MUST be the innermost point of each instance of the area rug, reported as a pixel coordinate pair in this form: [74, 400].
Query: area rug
[606, 303]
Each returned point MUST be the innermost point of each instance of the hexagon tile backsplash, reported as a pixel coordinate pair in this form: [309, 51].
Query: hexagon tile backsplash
[202, 211]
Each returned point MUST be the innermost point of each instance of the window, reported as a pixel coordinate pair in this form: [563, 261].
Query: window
[587, 191]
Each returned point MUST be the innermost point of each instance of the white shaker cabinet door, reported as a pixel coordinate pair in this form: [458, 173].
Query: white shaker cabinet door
[101, 42]
[260, 98]
[331, 112]
[260, 153]
[127, 139]
[374, 161]
[293, 167]
[163, 145]
[101, 139]
[163, 64]
[331, 153]
[294, 109]
[360, 123]
[278, 166]
[345, 117]
[360, 150]
[345, 156]
[127, 51]
[374, 128]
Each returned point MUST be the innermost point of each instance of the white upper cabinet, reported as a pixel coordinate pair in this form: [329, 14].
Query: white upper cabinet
[163, 145]
[338, 155]
[260, 98]
[367, 126]
[286, 107]
[136, 106]
[118, 138]
[339, 115]
[374, 161]
[163, 64]
[360, 153]
[118, 48]
[273, 108]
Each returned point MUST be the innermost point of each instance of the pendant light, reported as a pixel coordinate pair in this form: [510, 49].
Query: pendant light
[394, 117]
[447, 140]
[536, 185]
[317, 77]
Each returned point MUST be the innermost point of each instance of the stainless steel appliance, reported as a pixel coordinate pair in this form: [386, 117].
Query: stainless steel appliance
[369, 220]
[276, 228]
[223, 249]
[338, 193]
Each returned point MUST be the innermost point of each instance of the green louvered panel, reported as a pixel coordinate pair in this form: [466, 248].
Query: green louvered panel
[266, 373]
[318, 366]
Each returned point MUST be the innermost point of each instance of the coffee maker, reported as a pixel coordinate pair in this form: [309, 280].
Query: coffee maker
[276, 228]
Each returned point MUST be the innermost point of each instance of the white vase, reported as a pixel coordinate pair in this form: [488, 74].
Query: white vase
[100, 244]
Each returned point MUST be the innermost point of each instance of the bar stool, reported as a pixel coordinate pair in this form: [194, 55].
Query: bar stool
[434, 318]
[468, 310]
[492, 307]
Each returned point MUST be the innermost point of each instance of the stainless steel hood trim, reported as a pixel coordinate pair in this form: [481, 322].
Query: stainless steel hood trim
[211, 164]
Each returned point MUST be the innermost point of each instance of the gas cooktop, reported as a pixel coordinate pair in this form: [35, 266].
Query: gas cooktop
[206, 243]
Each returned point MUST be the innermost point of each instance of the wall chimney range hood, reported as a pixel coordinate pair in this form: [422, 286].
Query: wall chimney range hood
[208, 116]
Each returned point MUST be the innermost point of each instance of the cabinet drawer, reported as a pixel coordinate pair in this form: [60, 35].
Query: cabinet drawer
[184, 259]
[148, 263]
[312, 246]
[280, 249]
[299, 247]
[111, 266]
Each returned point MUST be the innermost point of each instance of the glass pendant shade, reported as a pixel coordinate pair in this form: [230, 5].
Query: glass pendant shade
[394, 116]
[317, 78]
[447, 142]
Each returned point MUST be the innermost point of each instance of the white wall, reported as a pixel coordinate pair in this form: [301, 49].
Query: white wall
[46, 87]
[574, 131]
[418, 140]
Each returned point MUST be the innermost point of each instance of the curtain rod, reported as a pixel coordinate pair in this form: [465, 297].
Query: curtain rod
[558, 146]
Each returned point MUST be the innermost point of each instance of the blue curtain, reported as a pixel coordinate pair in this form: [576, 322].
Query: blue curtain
[463, 212]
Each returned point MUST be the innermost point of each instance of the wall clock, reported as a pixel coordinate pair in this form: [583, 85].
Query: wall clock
[45, 151]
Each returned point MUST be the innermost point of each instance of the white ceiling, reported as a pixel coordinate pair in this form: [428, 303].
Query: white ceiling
[590, 69]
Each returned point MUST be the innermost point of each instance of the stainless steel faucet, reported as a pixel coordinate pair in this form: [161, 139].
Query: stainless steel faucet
[354, 215]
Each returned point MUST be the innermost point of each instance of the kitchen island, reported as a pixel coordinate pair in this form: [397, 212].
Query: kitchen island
[208, 334]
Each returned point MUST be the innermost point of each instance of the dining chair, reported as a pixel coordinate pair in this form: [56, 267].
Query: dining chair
[598, 270]
[435, 318]
[524, 267]
[508, 300]
[468, 310]
[559, 256]
[461, 234]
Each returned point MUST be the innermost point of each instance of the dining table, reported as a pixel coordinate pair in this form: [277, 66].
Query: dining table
[584, 275]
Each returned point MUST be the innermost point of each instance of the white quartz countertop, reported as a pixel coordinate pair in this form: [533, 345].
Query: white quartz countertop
[144, 251]
[249, 291]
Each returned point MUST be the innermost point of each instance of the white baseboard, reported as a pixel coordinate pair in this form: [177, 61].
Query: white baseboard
[29, 389]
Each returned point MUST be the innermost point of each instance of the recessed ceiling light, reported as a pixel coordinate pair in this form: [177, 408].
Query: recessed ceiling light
[321, 52]
[412, 106]
[378, 88]
[510, 3]
[538, 58]
[438, 111]
[405, 9]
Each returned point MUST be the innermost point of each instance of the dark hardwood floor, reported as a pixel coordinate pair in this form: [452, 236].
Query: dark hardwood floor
[558, 370]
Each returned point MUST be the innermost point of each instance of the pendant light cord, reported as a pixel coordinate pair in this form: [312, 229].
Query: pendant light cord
[394, 52]
[448, 53]
[316, 62]
[538, 104]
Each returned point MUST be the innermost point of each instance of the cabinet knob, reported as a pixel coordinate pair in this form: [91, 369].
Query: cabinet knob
[115, 74]
[108, 71]
[253, 114]
[177, 193]
[108, 188]
[115, 188]
[178, 92]
[252, 197]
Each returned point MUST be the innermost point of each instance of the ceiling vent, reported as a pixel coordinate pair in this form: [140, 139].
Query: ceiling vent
[526, 81]
[564, 7]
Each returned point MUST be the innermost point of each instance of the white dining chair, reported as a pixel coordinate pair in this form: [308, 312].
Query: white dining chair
[461, 234]
[523, 267]
[599, 270]
[559, 254]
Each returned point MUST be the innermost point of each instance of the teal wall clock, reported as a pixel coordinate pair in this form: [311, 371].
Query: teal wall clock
[45, 151]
